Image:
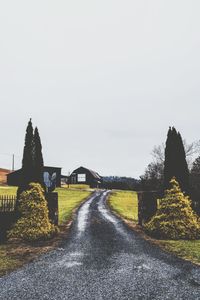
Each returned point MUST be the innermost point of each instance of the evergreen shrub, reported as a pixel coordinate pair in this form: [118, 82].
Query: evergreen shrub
[174, 218]
[34, 223]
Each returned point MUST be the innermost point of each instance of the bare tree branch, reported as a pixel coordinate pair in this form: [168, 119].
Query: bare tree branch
[192, 149]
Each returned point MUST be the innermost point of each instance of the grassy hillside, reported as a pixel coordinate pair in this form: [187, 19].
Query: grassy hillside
[125, 204]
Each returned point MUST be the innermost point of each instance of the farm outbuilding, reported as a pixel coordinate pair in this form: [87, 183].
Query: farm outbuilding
[85, 176]
[3, 176]
[52, 177]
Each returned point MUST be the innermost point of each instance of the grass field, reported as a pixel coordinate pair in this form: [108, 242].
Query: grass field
[8, 190]
[68, 201]
[189, 250]
[77, 186]
[125, 204]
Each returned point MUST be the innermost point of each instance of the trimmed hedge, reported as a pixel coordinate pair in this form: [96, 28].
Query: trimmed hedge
[175, 218]
[34, 222]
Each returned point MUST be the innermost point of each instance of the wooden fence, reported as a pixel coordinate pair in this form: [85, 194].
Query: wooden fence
[7, 203]
[9, 215]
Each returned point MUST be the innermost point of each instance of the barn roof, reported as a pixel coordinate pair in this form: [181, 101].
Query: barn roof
[93, 173]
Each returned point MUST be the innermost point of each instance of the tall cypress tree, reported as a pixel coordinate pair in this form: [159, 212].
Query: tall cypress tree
[27, 161]
[184, 175]
[32, 162]
[38, 158]
[168, 159]
[175, 161]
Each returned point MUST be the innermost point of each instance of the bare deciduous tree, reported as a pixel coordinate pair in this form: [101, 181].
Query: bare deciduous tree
[153, 175]
[191, 150]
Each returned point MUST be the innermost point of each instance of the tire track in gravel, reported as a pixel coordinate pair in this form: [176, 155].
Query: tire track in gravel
[103, 259]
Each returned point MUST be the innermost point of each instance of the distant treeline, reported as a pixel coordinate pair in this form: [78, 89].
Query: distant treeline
[121, 183]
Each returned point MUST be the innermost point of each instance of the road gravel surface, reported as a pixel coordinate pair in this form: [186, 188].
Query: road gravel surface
[103, 259]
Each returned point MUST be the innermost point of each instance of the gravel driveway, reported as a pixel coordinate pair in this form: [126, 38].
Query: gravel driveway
[103, 259]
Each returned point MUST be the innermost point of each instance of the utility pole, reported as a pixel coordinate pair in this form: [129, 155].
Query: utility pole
[13, 162]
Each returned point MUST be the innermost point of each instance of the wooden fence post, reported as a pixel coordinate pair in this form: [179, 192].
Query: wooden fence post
[140, 208]
[52, 201]
[147, 205]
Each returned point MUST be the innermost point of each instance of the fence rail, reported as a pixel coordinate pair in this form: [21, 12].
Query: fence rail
[7, 203]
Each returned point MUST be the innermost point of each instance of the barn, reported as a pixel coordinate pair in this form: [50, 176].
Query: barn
[85, 176]
[52, 177]
[3, 176]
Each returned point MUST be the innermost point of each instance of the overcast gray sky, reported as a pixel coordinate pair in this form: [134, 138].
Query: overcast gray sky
[103, 80]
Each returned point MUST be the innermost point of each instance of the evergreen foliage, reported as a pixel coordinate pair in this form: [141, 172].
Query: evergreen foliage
[175, 218]
[38, 158]
[175, 164]
[34, 222]
[32, 162]
[195, 184]
[27, 161]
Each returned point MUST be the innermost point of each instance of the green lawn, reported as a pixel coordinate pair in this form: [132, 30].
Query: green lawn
[185, 249]
[124, 203]
[77, 186]
[68, 201]
[8, 190]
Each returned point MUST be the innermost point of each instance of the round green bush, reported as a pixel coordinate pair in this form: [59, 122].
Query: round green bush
[174, 218]
[34, 222]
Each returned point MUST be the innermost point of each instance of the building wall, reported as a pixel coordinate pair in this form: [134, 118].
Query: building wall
[14, 178]
[3, 176]
[83, 176]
